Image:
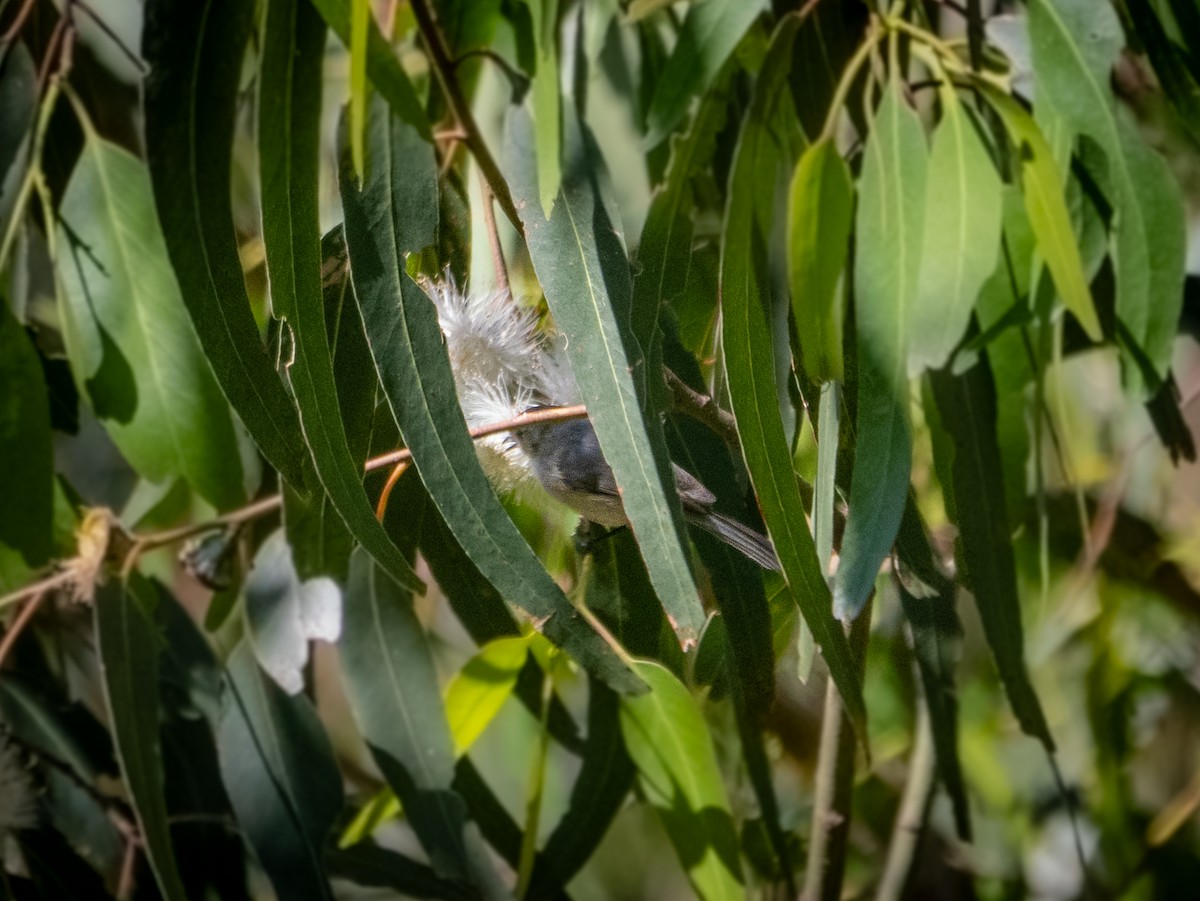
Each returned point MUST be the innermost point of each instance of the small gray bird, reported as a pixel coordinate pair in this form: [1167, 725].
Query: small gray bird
[567, 461]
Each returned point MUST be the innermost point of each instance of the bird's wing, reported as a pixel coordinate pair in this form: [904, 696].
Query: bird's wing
[694, 495]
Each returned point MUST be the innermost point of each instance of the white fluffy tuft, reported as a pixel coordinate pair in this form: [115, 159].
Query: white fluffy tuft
[503, 363]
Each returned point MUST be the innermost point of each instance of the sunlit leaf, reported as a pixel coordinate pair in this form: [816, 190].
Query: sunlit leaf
[190, 106]
[678, 773]
[887, 266]
[133, 351]
[360, 18]
[1042, 186]
[547, 111]
[1075, 45]
[820, 214]
[383, 67]
[962, 236]
[478, 690]
[581, 264]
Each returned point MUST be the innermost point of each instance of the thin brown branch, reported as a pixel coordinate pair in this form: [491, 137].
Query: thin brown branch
[443, 67]
[42, 586]
[499, 267]
[829, 837]
[15, 28]
[913, 812]
[702, 407]
[20, 621]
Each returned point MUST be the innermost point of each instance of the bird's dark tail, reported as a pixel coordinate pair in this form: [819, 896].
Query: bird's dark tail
[740, 537]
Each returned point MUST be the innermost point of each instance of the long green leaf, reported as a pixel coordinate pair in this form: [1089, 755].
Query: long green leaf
[677, 770]
[1075, 44]
[963, 205]
[128, 646]
[289, 158]
[406, 343]
[26, 453]
[1042, 186]
[478, 690]
[133, 351]
[383, 68]
[190, 98]
[820, 215]
[927, 597]
[887, 261]
[581, 264]
[279, 772]
[547, 107]
[380, 868]
[760, 166]
[604, 781]
[967, 409]
[394, 693]
[709, 35]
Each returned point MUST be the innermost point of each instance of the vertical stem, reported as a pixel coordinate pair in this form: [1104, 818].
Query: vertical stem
[443, 66]
[489, 220]
[830, 831]
[910, 818]
[537, 784]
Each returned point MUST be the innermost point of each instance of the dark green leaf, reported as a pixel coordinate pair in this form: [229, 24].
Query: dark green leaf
[377, 867]
[967, 409]
[194, 49]
[128, 645]
[26, 455]
[677, 770]
[46, 724]
[927, 597]
[1170, 64]
[760, 167]
[132, 349]
[600, 789]
[584, 273]
[289, 157]
[708, 37]
[820, 214]
[1075, 45]
[281, 778]
[410, 356]
[887, 266]
[393, 690]
[18, 101]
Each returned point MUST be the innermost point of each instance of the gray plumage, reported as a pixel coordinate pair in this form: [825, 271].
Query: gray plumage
[566, 459]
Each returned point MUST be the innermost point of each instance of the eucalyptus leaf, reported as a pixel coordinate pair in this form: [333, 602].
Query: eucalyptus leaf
[581, 264]
[1075, 45]
[887, 268]
[26, 453]
[962, 236]
[710, 33]
[190, 106]
[760, 166]
[394, 693]
[967, 409]
[128, 646]
[410, 357]
[279, 772]
[678, 773]
[289, 160]
[820, 215]
[133, 351]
